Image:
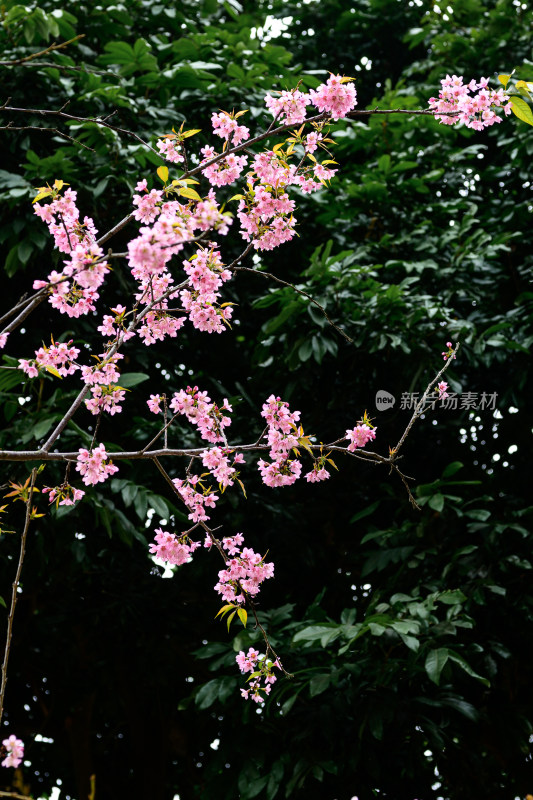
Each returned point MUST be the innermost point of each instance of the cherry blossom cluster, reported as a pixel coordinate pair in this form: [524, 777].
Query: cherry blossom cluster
[472, 103]
[206, 272]
[14, 749]
[104, 372]
[115, 326]
[225, 171]
[283, 436]
[244, 573]
[169, 148]
[336, 97]
[74, 290]
[226, 126]
[208, 417]
[105, 398]
[195, 500]
[260, 667]
[94, 465]
[59, 357]
[446, 354]
[442, 389]
[319, 471]
[360, 436]
[64, 495]
[174, 549]
[217, 462]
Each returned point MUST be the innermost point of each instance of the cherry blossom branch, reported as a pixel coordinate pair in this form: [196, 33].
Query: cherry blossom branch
[14, 592]
[419, 408]
[217, 543]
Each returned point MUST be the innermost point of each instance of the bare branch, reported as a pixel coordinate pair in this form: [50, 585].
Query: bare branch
[298, 291]
[49, 49]
[14, 592]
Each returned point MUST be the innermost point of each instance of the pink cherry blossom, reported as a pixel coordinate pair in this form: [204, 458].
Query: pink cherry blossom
[15, 751]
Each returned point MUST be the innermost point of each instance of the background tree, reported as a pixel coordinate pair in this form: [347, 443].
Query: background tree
[408, 632]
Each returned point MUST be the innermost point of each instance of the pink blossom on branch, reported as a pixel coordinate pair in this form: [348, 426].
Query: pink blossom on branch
[475, 111]
[64, 495]
[359, 436]
[93, 465]
[15, 751]
[337, 96]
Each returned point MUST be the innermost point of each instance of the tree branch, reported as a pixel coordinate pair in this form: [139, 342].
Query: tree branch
[14, 592]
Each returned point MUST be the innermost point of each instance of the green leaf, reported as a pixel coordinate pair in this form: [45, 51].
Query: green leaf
[129, 379]
[319, 684]
[163, 173]
[522, 110]
[436, 502]
[481, 514]
[186, 191]
[452, 468]
[435, 663]
[451, 597]
[364, 513]
[467, 668]
[207, 694]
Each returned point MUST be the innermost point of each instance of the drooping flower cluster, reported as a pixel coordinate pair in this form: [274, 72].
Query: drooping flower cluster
[218, 463]
[169, 148]
[174, 549]
[318, 473]
[115, 326]
[74, 290]
[245, 571]
[260, 668]
[207, 274]
[473, 104]
[208, 417]
[14, 751]
[288, 107]
[106, 398]
[196, 499]
[64, 495]
[283, 435]
[222, 172]
[94, 466]
[104, 372]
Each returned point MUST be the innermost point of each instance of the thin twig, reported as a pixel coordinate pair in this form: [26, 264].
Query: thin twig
[49, 49]
[298, 291]
[14, 592]
[11, 127]
[419, 408]
[45, 112]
